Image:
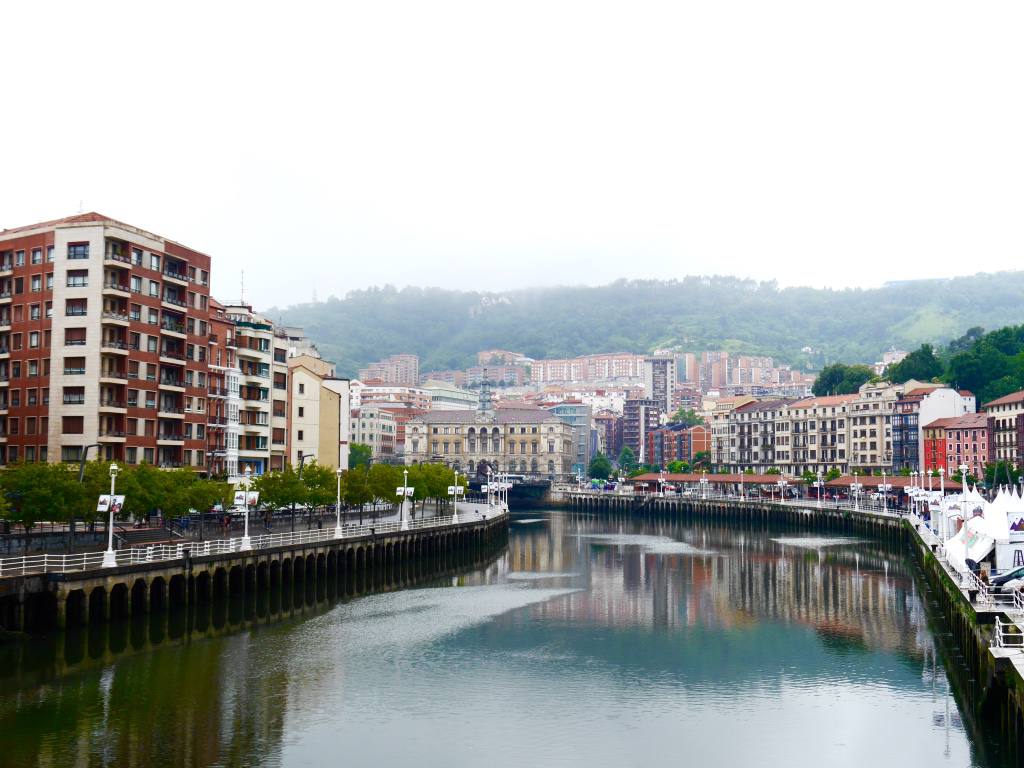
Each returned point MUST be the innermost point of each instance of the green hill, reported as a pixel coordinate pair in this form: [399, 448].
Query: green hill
[446, 328]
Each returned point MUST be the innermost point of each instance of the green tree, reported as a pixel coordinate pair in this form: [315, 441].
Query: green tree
[833, 474]
[773, 471]
[686, 416]
[321, 484]
[627, 459]
[841, 379]
[280, 489]
[701, 460]
[921, 364]
[39, 492]
[678, 467]
[1001, 473]
[359, 455]
[600, 467]
[355, 488]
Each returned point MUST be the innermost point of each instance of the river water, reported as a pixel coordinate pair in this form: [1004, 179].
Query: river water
[591, 641]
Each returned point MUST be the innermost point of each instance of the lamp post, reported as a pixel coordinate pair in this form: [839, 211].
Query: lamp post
[109, 558]
[246, 541]
[782, 489]
[855, 489]
[963, 480]
[661, 483]
[704, 484]
[337, 508]
[819, 484]
[912, 492]
[405, 497]
[455, 499]
[883, 490]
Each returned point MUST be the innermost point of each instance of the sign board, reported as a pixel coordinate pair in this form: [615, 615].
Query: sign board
[403, 491]
[240, 498]
[456, 490]
[1015, 520]
[110, 504]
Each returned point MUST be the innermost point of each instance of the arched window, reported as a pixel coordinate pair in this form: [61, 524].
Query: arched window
[533, 466]
[522, 466]
[551, 467]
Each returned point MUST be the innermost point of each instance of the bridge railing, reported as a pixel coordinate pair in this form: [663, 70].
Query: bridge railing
[36, 564]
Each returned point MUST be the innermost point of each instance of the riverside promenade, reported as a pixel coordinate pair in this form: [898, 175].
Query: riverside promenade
[39, 591]
[988, 627]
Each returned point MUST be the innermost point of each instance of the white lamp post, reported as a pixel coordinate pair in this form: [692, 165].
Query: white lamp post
[883, 489]
[246, 541]
[819, 484]
[455, 499]
[855, 489]
[109, 557]
[782, 490]
[704, 483]
[337, 508]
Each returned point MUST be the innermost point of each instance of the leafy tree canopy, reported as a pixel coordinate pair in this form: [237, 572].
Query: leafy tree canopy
[841, 379]
[921, 364]
[600, 467]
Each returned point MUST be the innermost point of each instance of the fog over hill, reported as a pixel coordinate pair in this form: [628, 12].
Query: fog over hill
[446, 328]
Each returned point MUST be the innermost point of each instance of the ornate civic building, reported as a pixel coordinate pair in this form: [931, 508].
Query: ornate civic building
[530, 442]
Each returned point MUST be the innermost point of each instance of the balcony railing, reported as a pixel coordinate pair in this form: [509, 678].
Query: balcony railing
[117, 257]
[177, 275]
[172, 354]
[175, 327]
[113, 284]
[113, 374]
[112, 403]
[76, 311]
[113, 344]
[170, 436]
[74, 399]
[74, 371]
[165, 382]
[176, 301]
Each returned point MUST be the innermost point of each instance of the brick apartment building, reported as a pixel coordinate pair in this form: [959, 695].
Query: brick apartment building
[106, 344]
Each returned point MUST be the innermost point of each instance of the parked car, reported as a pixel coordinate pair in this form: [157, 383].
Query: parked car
[1009, 581]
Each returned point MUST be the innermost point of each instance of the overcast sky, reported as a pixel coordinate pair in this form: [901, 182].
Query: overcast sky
[489, 145]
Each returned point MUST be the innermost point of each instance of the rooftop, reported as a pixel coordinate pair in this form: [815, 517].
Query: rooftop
[1013, 397]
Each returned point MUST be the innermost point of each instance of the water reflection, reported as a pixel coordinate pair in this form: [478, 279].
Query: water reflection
[590, 641]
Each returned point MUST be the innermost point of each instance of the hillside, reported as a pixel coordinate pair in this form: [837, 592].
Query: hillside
[446, 328]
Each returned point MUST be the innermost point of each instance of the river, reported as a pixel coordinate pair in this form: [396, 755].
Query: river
[591, 641]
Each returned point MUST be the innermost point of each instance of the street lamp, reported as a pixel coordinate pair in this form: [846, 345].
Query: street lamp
[337, 507]
[246, 541]
[884, 494]
[455, 491]
[819, 484]
[855, 489]
[109, 558]
[782, 489]
[704, 484]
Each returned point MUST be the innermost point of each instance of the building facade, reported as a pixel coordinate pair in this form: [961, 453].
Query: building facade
[530, 442]
[640, 416]
[921, 405]
[578, 416]
[397, 369]
[375, 426]
[659, 381]
[951, 442]
[1008, 413]
[104, 338]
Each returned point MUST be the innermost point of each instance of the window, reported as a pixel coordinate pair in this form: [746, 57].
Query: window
[78, 250]
[154, 262]
[35, 312]
[19, 258]
[33, 340]
[72, 425]
[49, 253]
[36, 283]
[302, 411]
[37, 255]
[78, 278]
[301, 435]
[49, 281]
[302, 388]
[154, 288]
[135, 284]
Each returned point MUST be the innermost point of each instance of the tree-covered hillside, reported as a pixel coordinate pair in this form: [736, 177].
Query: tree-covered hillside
[446, 328]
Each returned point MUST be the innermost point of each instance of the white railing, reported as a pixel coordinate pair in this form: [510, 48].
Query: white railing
[35, 564]
[1007, 635]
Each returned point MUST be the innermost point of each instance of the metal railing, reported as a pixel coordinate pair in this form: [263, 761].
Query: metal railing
[1007, 635]
[35, 564]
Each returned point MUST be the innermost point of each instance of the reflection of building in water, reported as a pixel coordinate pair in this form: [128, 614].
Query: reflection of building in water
[859, 595]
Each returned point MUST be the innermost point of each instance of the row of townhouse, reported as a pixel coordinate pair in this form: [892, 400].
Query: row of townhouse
[112, 347]
[877, 429]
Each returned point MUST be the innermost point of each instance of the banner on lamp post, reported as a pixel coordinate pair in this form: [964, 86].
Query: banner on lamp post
[108, 504]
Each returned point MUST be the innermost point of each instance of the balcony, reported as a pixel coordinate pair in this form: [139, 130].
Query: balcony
[174, 384]
[113, 405]
[115, 346]
[174, 301]
[170, 412]
[180, 277]
[173, 329]
[171, 357]
[170, 438]
[217, 392]
[111, 436]
[5, 296]
[116, 288]
[118, 258]
[74, 400]
[117, 318]
[113, 376]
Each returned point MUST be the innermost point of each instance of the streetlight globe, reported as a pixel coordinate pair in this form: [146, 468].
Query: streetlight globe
[114, 469]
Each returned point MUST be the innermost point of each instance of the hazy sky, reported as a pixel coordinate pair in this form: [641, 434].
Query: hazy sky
[487, 145]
